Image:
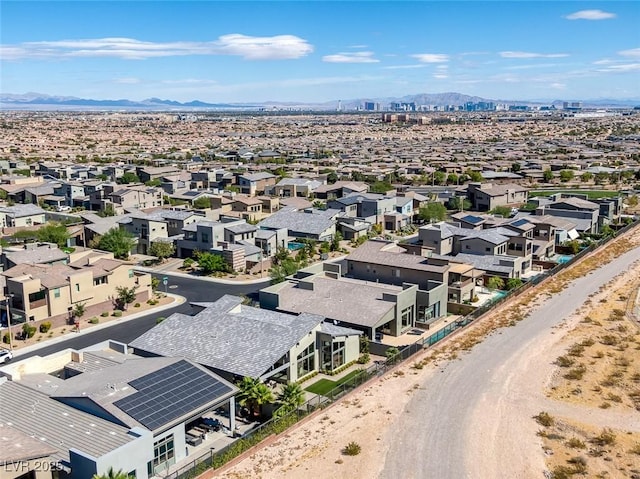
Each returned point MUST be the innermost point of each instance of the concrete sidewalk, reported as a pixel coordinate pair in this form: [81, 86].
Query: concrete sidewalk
[202, 278]
[177, 300]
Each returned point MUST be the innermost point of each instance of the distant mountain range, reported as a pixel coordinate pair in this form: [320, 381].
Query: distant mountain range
[35, 101]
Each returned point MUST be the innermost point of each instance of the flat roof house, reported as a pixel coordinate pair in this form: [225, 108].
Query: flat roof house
[236, 340]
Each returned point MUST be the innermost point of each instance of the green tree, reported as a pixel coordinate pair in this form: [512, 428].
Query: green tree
[459, 203]
[392, 354]
[254, 395]
[289, 399]
[515, 167]
[107, 211]
[79, 309]
[153, 182]
[111, 474]
[128, 177]
[547, 176]
[574, 246]
[3, 195]
[335, 241]
[202, 203]
[433, 212]
[602, 178]
[513, 283]
[53, 233]
[332, 177]
[125, 296]
[495, 282]
[439, 177]
[280, 271]
[211, 263]
[586, 176]
[475, 176]
[452, 179]
[381, 187]
[607, 231]
[632, 201]
[566, 175]
[155, 282]
[117, 241]
[503, 211]
[319, 204]
[161, 250]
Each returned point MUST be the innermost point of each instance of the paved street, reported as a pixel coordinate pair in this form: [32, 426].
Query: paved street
[436, 440]
[192, 289]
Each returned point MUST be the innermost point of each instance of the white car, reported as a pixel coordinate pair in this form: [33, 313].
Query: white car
[5, 355]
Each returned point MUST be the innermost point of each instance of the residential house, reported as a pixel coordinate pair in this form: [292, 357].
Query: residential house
[370, 207]
[50, 291]
[253, 184]
[487, 196]
[319, 225]
[293, 187]
[17, 216]
[103, 409]
[235, 340]
[585, 214]
[340, 189]
[368, 307]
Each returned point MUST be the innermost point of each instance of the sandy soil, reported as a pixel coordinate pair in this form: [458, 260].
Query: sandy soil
[370, 416]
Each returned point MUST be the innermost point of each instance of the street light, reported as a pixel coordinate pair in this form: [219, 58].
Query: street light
[7, 301]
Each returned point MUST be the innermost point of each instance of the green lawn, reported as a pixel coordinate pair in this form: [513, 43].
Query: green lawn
[323, 386]
[590, 193]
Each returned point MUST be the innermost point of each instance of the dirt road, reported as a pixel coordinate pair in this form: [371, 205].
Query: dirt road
[473, 418]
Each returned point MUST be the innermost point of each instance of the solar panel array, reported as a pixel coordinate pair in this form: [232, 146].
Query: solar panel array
[170, 393]
[472, 219]
[520, 222]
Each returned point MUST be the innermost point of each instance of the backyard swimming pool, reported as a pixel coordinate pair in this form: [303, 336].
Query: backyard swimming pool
[562, 258]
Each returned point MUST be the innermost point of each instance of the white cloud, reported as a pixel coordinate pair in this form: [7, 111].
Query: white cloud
[634, 52]
[590, 15]
[509, 54]
[189, 81]
[431, 57]
[621, 68]
[405, 67]
[127, 81]
[280, 47]
[558, 86]
[356, 57]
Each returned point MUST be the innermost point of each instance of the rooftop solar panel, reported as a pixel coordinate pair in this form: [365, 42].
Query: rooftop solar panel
[169, 393]
[520, 222]
[472, 219]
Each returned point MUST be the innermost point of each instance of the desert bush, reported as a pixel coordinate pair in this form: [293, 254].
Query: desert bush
[635, 449]
[137, 305]
[94, 320]
[606, 438]
[614, 397]
[576, 350]
[575, 443]
[104, 314]
[576, 373]
[117, 313]
[609, 340]
[564, 361]
[45, 327]
[159, 319]
[352, 449]
[545, 419]
[587, 342]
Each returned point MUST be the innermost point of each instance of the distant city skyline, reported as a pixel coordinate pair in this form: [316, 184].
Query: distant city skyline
[319, 51]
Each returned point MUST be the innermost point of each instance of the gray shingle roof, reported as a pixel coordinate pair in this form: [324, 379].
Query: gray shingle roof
[298, 221]
[390, 254]
[229, 336]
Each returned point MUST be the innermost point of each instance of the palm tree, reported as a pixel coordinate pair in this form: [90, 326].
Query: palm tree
[254, 394]
[290, 398]
[111, 474]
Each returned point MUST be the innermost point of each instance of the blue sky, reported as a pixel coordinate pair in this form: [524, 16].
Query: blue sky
[318, 51]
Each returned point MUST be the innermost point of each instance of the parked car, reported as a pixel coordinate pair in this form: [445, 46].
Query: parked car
[6, 355]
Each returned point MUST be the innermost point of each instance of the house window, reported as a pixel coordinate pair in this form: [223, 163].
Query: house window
[427, 313]
[307, 360]
[337, 358]
[396, 273]
[205, 238]
[163, 450]
[77, 287]
[99, 281]
[487, 249]
[406, 317]
[56, 293]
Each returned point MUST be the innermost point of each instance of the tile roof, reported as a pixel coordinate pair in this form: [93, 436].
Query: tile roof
[391, 254]
[298, 221]
[229, 336]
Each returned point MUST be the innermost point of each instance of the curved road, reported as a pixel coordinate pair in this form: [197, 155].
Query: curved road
[434, 438]
[192, 289]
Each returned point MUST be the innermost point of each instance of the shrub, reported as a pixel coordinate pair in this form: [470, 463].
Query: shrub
[635, 449]
[117, 313]
[545, 419]
[606, 438]
[576, 373]
[579, 464]
[609, 340]
[352, 449]
[564, 361]
[104, 314]
[575, 443]
[364, 358]
[28, 331]
[576, 350]
[94, 320]
[562, 472]
[159, 319]
[45, 327]
[137, 305]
